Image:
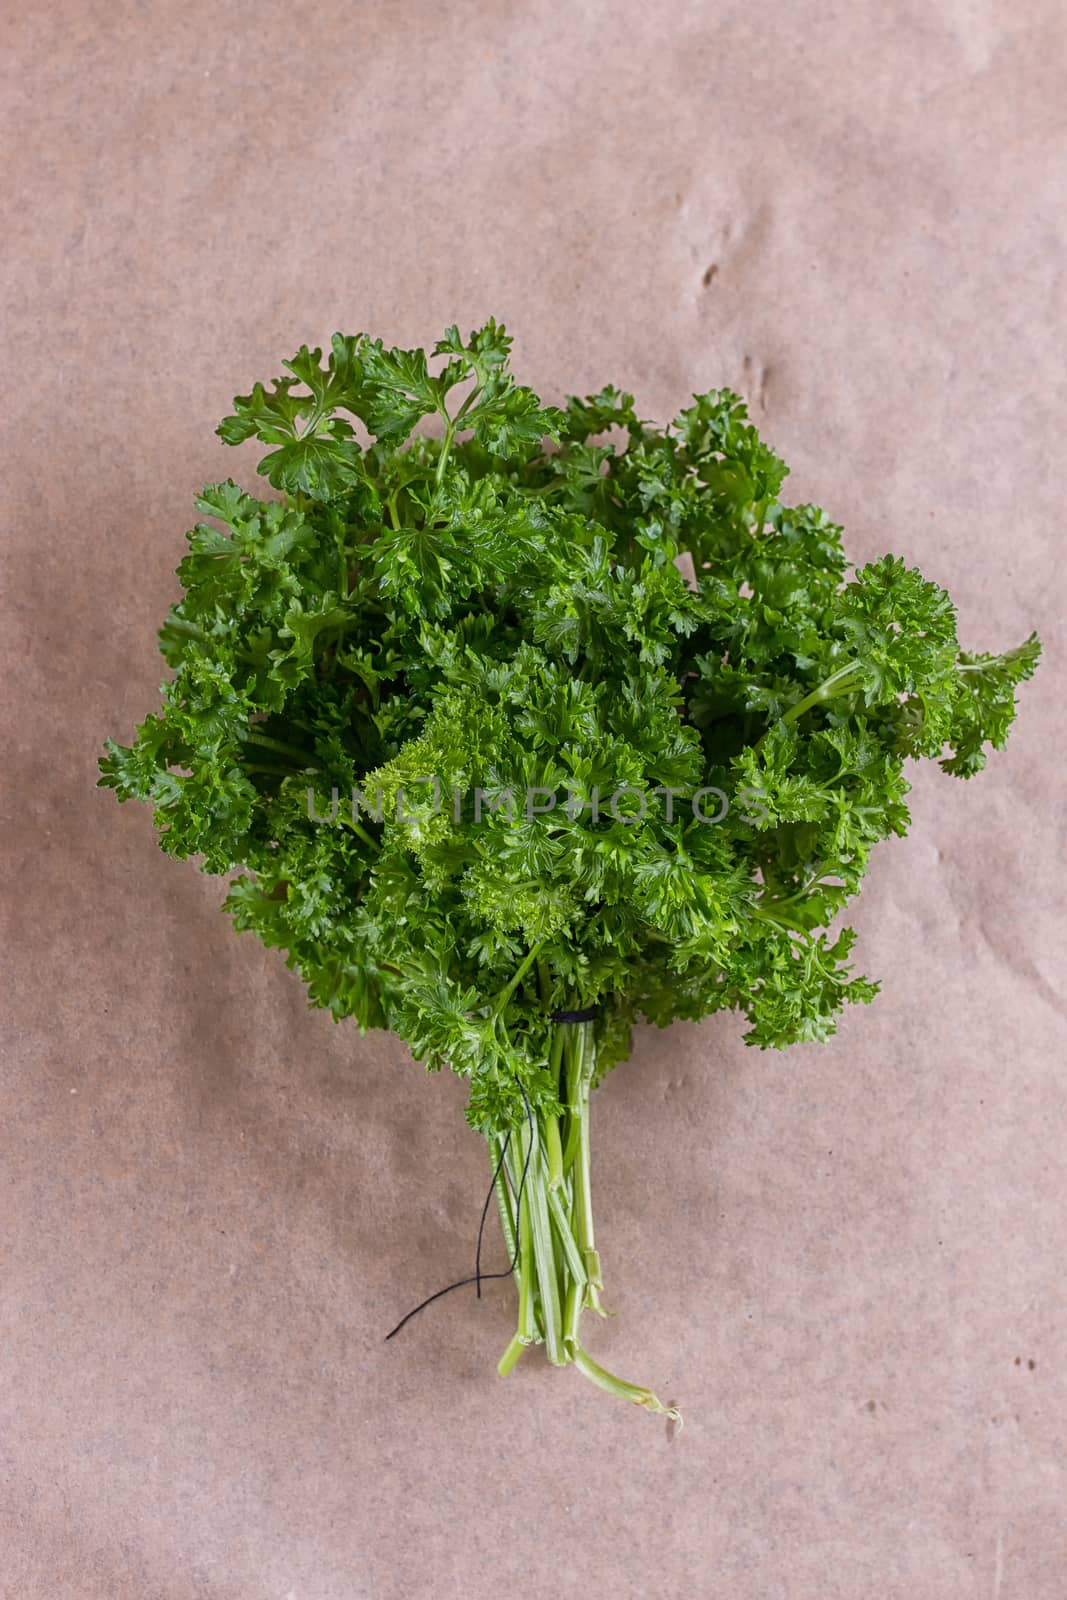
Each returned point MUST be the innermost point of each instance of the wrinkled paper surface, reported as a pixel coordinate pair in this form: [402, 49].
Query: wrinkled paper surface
[845, 1263]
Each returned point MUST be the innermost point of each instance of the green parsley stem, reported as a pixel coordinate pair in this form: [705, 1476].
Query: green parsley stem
[553, 1152]
[465, 407]
[583, 1206]
[557, 1268]
[268, 742]
[511, 1355]
[545, 1264]
[567, 1242]
[526, 1330]
[825, 691]
[573, 1301]
[506, 993]
[503, 1194]
[620, 1388]
[361, 833]
[573, 1073]
[819, 695]
[446, 447]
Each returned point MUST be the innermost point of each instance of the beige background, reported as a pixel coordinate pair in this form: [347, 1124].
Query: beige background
[846, 1263]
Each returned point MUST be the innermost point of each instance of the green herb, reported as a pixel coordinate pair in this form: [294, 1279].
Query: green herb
[483, 753]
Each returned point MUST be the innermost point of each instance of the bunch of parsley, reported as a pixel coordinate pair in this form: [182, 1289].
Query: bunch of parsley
[484, 755]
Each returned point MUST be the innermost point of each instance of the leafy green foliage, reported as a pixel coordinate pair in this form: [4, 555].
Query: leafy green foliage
[483, 631]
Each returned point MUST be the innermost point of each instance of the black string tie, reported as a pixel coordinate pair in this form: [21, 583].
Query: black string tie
[480, 1277]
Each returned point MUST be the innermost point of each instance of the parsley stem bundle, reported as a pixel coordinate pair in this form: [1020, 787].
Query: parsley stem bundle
[496, 776]
[556, 1262]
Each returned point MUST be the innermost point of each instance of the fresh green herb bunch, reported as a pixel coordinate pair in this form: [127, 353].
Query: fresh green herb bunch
[484, 754]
